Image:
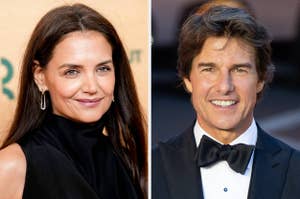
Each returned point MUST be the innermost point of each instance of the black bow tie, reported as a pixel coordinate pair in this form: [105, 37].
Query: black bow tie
[237, 156]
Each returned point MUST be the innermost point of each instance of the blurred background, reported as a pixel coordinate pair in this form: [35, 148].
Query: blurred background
[279, 110]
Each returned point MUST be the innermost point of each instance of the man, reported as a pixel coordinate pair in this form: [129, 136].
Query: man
[224, 60]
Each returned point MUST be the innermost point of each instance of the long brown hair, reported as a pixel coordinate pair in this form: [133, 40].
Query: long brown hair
[126, 125]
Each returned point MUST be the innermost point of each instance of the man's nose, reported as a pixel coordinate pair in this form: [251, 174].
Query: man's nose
[225, 83]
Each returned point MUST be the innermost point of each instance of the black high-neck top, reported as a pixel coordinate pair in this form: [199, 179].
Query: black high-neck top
[70, 160]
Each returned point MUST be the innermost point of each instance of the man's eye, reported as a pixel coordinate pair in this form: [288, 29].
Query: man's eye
[207, 69]
[240, 70]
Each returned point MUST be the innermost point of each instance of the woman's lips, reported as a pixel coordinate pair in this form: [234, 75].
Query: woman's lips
[90, 102]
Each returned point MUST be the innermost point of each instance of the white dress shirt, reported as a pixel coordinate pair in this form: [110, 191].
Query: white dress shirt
[219, 180]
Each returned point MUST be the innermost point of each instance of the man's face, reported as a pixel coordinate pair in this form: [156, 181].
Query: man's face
[223, 83]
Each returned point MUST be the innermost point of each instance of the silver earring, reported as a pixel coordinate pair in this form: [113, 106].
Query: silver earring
[43, 101]
[113, 98]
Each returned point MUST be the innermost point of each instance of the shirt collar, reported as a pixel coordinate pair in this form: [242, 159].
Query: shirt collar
[248, 137]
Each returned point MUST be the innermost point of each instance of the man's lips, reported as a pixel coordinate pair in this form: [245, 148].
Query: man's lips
[224, 103]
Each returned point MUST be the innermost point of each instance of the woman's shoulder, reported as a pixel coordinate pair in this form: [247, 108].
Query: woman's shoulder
[12, 172]
[13, 155]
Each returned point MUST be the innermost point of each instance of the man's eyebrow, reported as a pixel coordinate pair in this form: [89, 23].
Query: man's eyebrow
[245, 65]
[206, 64]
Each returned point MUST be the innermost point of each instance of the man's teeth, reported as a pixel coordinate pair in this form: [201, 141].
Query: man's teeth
[223, 103]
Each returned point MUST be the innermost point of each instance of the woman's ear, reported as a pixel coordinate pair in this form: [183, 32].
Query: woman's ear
[39, 76]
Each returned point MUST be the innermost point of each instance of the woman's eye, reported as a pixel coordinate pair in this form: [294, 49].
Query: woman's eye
[71, 73]
[104, 68]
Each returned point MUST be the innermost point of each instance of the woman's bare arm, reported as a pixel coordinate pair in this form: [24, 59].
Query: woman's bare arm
[12, 172]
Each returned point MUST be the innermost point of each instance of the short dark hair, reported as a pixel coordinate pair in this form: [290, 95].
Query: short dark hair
[224, 21]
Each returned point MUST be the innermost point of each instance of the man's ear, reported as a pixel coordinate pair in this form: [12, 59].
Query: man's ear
[39, 76]
[260, 86]
[188, 85]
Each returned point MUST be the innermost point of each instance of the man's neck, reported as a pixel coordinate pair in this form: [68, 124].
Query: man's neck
[225, 136]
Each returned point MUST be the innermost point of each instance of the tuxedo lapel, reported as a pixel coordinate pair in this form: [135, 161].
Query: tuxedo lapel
[269, 168]
[182, 174]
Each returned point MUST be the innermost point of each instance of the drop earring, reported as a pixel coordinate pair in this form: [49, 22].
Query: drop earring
[43, 101]
[113, 98]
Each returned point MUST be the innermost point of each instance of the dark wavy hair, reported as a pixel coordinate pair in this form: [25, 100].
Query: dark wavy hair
[126, 125]
[224, 21]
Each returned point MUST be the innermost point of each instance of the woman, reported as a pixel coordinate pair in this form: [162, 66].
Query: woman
[78, 131]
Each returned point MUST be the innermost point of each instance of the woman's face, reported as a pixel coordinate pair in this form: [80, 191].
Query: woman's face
[80, 76]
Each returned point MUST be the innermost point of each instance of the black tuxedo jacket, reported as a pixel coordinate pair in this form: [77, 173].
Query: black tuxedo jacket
[275, 172]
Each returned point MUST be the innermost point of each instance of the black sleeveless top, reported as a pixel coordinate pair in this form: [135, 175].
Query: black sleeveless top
[69, 160]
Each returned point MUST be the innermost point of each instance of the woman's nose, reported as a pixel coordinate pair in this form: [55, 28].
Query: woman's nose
[89, 84]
